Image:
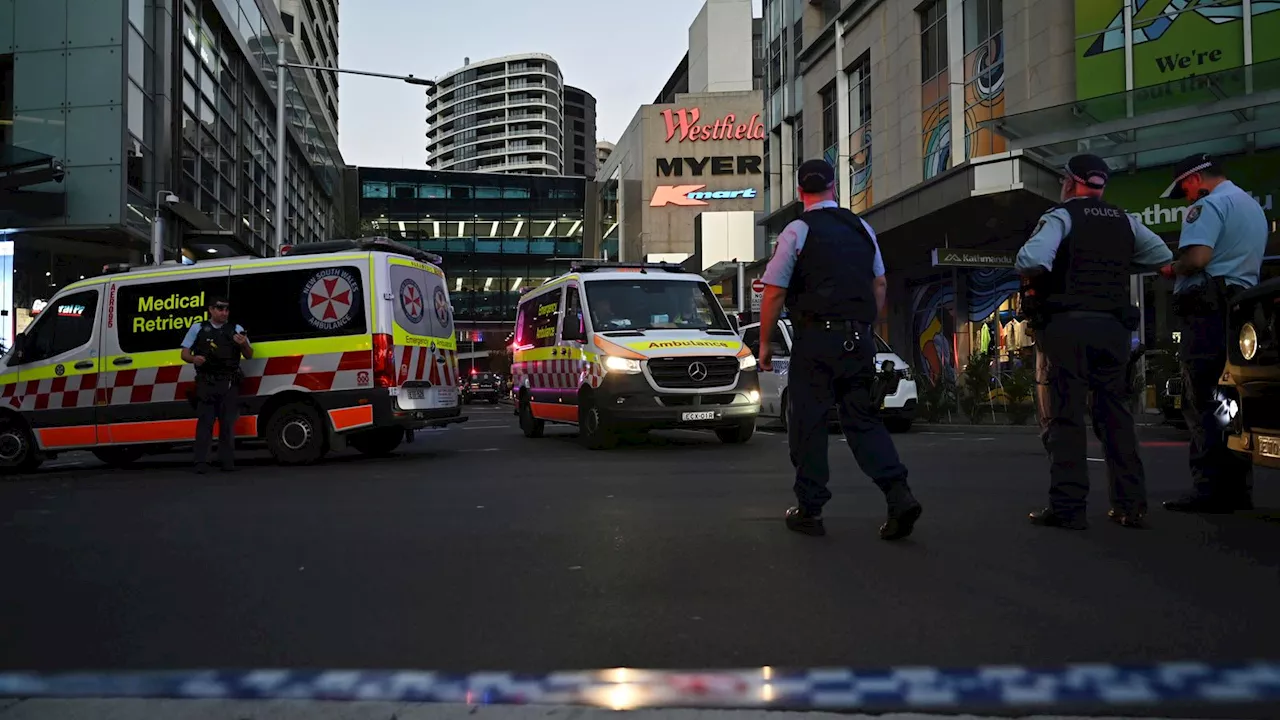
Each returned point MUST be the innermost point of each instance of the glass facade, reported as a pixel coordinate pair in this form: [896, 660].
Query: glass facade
[935, 92]
[228, 142]
[497, 234]
[983, 75]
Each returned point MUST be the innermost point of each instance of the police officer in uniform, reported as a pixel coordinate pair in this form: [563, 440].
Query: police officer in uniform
[1079, 260]
[1224, 236]
[215, 347]
[828, 269]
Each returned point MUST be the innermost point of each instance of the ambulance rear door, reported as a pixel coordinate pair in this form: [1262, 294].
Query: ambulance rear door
[425, 346]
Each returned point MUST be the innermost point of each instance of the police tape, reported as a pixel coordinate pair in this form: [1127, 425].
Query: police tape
[904, 688]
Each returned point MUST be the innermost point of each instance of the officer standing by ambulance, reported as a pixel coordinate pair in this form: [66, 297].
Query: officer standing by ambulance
[828, 269]
[215, 347]
[1224, 236]
[1079, 260]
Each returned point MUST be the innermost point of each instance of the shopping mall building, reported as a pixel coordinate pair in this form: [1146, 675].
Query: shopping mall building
[948, 122]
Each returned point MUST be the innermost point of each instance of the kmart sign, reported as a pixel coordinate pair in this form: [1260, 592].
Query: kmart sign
[1139, 193]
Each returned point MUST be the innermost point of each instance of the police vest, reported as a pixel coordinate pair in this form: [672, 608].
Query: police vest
[1091, 269]
[218, 346]
[834, 273]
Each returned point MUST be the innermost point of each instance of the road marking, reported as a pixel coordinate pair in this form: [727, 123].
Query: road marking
[1096, 460]
[480, 450]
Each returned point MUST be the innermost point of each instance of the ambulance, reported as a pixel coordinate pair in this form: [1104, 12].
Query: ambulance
[614, 348]
[353, 345]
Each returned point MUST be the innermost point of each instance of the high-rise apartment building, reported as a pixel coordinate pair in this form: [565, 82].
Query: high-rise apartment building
[579, 139]
[502, 115]
[313, 27]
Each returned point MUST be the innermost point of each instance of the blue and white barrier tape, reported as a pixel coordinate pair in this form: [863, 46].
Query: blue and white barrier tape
[624, 688]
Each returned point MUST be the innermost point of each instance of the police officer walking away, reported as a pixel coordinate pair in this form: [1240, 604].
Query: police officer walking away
[828, 269]
[215, 347]
[1079, 260]
[1224, 236]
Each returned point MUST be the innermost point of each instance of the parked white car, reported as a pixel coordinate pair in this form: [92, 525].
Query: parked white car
[898, 411]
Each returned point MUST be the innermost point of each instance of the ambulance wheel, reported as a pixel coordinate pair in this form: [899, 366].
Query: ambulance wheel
[295, 435]
[118, 456]
[18, 451]
[593, 431]
[377, 442]
[737, 434]
[531, 426]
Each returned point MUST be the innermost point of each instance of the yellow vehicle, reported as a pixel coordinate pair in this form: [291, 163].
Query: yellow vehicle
[613, 348]
[353, 345]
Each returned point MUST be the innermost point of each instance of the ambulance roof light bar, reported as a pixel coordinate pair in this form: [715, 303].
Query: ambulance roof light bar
[367, 244]
[605, 265]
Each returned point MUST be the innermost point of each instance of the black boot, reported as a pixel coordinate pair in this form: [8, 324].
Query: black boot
[904, 510]
[1049, 518]
[803, 521]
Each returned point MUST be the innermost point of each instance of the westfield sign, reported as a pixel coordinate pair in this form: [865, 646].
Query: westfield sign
[685, 124]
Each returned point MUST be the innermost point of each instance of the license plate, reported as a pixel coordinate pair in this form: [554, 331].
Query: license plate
[416, 393]
[1269, 446]
[1177, 402]
[695, 416]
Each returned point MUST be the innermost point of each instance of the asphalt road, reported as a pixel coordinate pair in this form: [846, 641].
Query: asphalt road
[476, 548]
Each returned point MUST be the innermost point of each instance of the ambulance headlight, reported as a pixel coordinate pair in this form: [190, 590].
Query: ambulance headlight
[621, 365]
[747, 362]
[1248, 341]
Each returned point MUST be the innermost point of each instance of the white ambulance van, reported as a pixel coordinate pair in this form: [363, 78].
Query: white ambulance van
[612, 348]
[353, 345]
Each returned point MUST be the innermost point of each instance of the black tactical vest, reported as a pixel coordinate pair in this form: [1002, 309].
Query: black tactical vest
[218, 346]
[834, 273]
[1092, 267]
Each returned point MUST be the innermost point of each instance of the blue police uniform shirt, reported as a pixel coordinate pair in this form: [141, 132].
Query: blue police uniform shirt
[1230, 222]
[194, 330]
[791, 242]
[1149, 251]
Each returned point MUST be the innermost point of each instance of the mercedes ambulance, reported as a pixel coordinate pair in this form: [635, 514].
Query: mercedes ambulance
[353, 345]
[614, 348]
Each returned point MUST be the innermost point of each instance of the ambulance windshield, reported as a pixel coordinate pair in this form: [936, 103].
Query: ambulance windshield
[645, 304]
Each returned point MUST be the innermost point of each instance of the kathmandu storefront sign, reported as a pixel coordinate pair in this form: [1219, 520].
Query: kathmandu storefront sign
[693, 195]
[684, 123]
[951, 257]
[718, 165]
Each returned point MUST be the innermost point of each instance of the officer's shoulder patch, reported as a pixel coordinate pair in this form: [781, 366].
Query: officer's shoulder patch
[1193, 214]
[1038, 228]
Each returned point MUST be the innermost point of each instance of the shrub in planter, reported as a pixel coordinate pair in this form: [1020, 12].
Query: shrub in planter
[1019, 386]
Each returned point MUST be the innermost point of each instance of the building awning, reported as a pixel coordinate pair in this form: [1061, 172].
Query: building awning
[1225, 112]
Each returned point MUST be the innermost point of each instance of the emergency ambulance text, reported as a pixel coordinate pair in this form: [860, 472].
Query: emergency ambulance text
[168, 310]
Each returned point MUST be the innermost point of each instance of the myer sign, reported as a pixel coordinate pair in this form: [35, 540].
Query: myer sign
[953, 257]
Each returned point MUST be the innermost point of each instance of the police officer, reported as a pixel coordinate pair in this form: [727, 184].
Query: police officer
[1224, 236]
[215, 347]
[828, 269]
[1079, 260]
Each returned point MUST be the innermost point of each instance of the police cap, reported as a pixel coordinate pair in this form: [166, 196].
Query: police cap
[1189, 166]
[1089, 170]
[815, 176]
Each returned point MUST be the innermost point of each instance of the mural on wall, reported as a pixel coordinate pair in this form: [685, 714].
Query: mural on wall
[933, 328]
[860, 169]
[832, 156]
[1173, 41]
[989, 289]
[984, 97]
[936, 124]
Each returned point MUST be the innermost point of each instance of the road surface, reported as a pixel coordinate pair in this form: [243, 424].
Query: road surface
[476, 548]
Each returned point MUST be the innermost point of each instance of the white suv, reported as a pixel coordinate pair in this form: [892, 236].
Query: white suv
[898, 410]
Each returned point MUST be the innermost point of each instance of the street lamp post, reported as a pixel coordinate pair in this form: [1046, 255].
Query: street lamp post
[282, 144]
